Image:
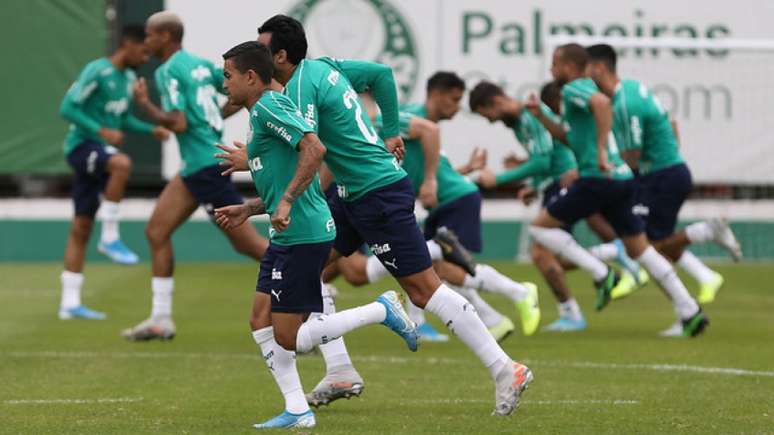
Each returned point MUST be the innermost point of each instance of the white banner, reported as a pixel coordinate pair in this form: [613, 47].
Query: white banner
[720, 98]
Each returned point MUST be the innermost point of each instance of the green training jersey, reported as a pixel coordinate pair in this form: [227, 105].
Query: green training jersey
[356, 154]
[641, 123]
[100, 98]
[451, 184]
[276, 128]
[582, 132]
[190, 84]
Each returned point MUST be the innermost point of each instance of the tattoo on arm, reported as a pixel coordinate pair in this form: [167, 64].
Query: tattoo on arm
[255, 206]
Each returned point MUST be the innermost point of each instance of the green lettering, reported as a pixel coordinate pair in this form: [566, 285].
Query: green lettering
[469, 33]
[714, 31]
[687, 30]
[512, 41]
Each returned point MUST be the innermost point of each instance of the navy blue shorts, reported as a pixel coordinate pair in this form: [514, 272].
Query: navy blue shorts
[384, 219]
[463, 216]
[89, 161]
[661, 194]
[551, 194]
[290, 275]
[614, 199]
[211, 189]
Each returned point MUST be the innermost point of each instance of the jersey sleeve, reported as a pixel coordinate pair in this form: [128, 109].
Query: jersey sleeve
[279, 117]
[577, 94]
[405, 119]
[217, 78]
[170, 85]
[377, 79]
[540, 140]
[84, 87]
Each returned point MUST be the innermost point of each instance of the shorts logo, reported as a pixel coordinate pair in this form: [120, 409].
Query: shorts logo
[276, 275]
[391, 263]
[276, 294]
[91, 162]
[378, 249]
[641, 210]
[384, 35]
[341, 190]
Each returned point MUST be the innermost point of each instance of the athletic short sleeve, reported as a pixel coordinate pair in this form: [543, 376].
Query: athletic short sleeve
[280, 118]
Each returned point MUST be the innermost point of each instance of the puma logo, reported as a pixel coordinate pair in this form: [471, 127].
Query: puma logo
[391, 263]
[276, 294]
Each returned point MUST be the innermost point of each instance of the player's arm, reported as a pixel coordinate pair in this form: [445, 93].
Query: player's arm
[476, 162]
[600, 107]
[429, 135]
[173, 119]
[72, 111]
[539, 161]
[232, 216]
[554, 128]
[131, 123]
[675, 130]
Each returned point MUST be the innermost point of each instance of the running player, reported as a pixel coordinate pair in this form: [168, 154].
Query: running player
[604, 185]
[98, 108]
[188, 86]
[376, 200]
[284, 156]
[648, 144]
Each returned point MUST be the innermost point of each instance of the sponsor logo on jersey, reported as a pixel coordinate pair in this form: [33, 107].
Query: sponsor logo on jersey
[200, 73]
[383, 35]
[309, 115]
[255, 164]
[330, 225]
[378, 249]
[117, 107]
[281, 131]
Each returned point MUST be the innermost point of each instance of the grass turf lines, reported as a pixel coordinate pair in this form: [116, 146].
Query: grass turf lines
[617, 377]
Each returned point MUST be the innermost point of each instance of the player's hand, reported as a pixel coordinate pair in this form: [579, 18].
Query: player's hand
[602, 163]
[486, 179]
[477, 160]
[395, 146]
[112, 136]
[161, 133]
[140, 91]
[428, 193]
[533, 104]
[233, 158]
[511, 161]
[281, 217]
[231, 216]
[568, 178]
[527, 195]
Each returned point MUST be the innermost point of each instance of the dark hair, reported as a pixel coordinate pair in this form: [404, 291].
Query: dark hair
[287, 34]
[603, 53]
[483, 94]
[133, 32]
[550, 93]
[574, 53]
[252, 55]
[445, 81]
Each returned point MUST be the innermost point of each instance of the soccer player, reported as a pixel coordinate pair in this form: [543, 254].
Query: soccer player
[284, 155]
[188, 86]
[455, 204]
[648, 144]
[376, 200]
[98, 107]
[605, 185]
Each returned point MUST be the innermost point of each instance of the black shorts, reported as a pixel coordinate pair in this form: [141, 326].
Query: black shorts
[211, 189]
[551, 194]
[463, 216]
[614, 199]
[661, 195]
[384, 219]
[89, 161]
[290, 275]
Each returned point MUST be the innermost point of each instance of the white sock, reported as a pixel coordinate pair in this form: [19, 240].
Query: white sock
[282, 365]
[604, 251]
[460, 317]
[699, 232]
[334, 352]
[162, 296]
[561, 243]
[489, 279]
[416, 314]
[695, 267]
[662, 271]
[570, 309]
[375, 270]
[488, 315]
[71, 289]
[109, 212]
[435, 250]
[328, 327]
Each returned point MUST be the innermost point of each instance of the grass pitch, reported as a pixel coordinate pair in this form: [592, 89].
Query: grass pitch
[618, 377]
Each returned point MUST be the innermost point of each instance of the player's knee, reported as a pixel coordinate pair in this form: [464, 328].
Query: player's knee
[154, 234]
[80, 230]
[120, 163]
[418, 297]
[286, 339]
[356, 278]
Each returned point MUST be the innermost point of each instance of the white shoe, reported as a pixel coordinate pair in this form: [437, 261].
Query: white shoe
[724, 237]
[339, 384]
[151, 328]
[674, 331]
[510, 384]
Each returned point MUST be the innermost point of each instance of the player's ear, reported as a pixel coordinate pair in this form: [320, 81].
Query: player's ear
[281, 56]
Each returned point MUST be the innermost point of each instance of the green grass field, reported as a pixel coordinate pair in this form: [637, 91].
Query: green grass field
[618, 377]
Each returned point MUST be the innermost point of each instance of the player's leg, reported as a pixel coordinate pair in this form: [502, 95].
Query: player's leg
[174, 205]
[570, 314]
[118, 168]
[612, 247]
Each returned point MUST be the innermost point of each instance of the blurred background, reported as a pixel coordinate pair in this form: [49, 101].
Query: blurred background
[711, 67]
